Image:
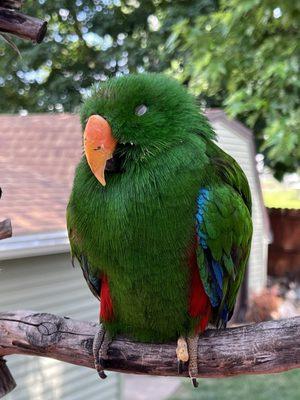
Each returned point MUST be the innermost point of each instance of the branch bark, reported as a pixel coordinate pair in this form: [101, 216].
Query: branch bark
[5, 226]
[12, 4]
[5, 229]
[21, 25]
[7, 382]
[263, 348]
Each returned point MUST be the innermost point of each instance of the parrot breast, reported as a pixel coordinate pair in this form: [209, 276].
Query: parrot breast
[137, 233]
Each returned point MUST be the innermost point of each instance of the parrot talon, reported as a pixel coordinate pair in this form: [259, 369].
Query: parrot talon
[195, 382]
[187, 351]
[182, 354]
[101, 344]
[179, 367]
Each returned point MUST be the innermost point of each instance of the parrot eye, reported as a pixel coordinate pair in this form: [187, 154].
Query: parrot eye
[141, 110]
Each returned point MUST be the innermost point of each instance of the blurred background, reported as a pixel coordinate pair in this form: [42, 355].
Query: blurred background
[241, 59]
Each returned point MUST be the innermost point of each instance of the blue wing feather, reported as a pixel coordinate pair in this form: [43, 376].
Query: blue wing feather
[214, 289]
[216, 269]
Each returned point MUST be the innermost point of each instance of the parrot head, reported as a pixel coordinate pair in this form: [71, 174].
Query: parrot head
[130, 119]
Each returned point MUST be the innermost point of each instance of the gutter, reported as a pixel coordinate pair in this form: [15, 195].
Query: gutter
[34, 245]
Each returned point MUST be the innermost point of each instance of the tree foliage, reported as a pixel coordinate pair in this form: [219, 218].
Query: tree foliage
[240, 55]
[246, 57]
[87, 41]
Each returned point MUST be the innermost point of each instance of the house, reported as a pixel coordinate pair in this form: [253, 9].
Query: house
[37, 161]
[237, 140]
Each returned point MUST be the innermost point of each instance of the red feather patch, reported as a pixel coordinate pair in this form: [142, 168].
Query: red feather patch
[199, 304]
[106, 307]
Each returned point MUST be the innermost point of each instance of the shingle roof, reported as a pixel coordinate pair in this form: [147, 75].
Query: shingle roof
[37, 162]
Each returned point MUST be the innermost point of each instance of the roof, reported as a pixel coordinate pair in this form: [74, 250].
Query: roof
[218, 115]
[37, 167]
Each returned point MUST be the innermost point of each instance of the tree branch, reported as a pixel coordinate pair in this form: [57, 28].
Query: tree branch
[5, 229]
[5, 226]
[263, 348]
[12, 4]
[21, 25]
[7, 382]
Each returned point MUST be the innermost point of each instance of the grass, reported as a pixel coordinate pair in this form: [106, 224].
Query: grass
[256, 387]
[282, 199]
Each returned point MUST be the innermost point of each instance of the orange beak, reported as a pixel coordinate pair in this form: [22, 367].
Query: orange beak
[99, 145]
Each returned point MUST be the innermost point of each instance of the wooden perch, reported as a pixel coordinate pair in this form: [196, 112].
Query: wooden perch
[21, 25]
[7, 382]
[5, 229]
[262, 348]
[12, 4]
[5, 226]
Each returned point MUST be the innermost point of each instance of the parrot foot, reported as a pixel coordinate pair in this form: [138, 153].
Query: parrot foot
[187, 351]
[101, 344]
[192, 343]
[182, 353]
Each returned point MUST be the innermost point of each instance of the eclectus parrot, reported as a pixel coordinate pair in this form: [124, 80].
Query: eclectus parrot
[159, 217]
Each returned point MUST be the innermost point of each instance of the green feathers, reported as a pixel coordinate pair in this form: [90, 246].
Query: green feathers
[140, 228]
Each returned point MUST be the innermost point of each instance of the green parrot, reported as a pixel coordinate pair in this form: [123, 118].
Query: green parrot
[159, 216]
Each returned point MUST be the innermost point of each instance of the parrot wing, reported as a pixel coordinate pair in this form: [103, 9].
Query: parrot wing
[224, 231]
[94, 282]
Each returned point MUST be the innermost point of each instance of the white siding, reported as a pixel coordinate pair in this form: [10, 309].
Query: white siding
[239, 146]
[50, 284]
